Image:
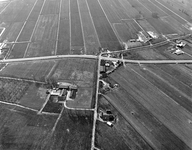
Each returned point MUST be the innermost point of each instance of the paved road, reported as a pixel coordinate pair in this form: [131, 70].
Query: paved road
[95, 57]
[47, 57]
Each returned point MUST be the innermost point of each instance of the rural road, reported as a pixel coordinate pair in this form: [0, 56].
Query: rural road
[95, 57]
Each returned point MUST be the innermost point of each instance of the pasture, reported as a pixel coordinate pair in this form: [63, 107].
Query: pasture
[46, 27]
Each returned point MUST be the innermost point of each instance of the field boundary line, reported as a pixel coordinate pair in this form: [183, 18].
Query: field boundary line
[134, 124]
[116, 34]
[6, 7]
[47, 99]
[123, 6]
[70, 26]
[159, 88]
[52, 69]
[139, 25]
[85, 49]
[8, 53]
[172, 11]
[142, 29]
[56, 122]
[144, 6]
[2, 31]
[93, 22]
[164, 80]
[34, 29]
[58, 29]
[19, 79]
[7, 103]
[184, 109]
[4, 67]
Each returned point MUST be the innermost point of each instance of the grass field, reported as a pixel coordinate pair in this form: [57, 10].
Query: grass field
[29, 70]
[64, 29]
[34, 96]
[116, 137]
[12, 91]
[152, 104]
[169, 117]
[23, 129]
[80, 27]
[72, 132]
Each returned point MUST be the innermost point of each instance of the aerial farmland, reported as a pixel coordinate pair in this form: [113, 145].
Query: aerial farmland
[95, 75]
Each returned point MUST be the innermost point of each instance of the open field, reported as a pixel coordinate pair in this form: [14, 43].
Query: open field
[116, 137]
[170, 121]
[77, 39]
[140, 8]
[3, 5]
[73, 131]
[180, 6]
[104, 30]
[64, 29]
[34, 70]
[12, 91]
[51, 7]
[171, 11]
[146, 25]
[161, 27]
[81, 27]
[44, 37]
[127, 30]
[110, 11]
[23, 129]
[91, 38]
[152, 8]
[175, 24]
[34, 96]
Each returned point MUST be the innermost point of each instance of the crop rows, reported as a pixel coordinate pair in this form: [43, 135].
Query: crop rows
[11, 91]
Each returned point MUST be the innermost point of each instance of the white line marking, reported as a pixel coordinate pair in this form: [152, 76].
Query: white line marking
[48, 96]
[5, 7]
[85, 49]
[119, 39]
[7, 103]
[55, 125]
[4, 67]
[2, 31]
[157, 87]
[139, 25]
[18, 79]
[34, 29]
[58, 28]
[47, 113]
[22, 28]
[93, 23]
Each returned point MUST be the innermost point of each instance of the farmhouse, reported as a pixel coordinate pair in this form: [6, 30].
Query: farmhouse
[66, 90]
